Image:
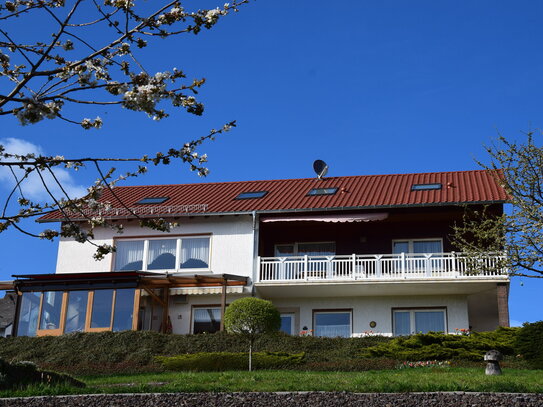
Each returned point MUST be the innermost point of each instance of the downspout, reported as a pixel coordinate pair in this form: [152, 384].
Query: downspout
[255, 251]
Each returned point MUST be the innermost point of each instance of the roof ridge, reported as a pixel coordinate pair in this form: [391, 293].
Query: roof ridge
[302, 179]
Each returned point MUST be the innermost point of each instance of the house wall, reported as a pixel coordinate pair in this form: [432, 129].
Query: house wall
[364, 310]
[231, 244]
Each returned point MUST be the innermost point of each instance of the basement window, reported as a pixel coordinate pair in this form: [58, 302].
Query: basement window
[322, 191]
[152, 200]
[425, 187]
[251, 195]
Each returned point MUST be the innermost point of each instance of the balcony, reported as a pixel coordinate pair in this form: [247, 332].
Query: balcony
[380, 267]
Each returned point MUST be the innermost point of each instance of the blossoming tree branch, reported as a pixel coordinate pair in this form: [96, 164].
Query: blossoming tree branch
[39, 80]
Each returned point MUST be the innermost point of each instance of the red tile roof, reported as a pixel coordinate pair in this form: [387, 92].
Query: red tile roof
[354, 192]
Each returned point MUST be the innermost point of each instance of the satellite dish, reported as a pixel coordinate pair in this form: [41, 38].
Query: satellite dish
[320, 167]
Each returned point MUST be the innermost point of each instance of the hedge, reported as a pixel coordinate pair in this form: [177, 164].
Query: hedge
[221, 361]
[529, 343]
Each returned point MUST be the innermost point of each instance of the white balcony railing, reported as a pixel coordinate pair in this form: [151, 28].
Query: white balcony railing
[379, 266]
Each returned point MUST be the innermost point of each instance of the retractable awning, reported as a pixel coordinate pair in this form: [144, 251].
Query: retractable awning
[344, 218]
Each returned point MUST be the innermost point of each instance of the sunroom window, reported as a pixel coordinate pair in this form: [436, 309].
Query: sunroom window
[183, 253]
[407, 322]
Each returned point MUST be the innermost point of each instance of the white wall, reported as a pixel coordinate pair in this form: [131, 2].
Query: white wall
[231, 244]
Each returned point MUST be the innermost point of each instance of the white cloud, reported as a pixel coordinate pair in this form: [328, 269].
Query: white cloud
[32, 187]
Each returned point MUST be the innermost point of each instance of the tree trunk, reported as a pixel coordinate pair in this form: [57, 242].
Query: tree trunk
[250, 355]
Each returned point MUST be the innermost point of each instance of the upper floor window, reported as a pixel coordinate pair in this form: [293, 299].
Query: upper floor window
[309, 249]
[425, 187]
[182, 253]
[417, 246]
[153, 200]
[251, 195]
[322, 191]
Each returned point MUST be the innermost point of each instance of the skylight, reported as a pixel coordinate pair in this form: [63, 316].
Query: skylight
[251, 195]
[425, 187]
[152, 200]
[322, 191]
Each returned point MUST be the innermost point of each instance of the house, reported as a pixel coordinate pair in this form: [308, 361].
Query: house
[338, 256]
[7, 313]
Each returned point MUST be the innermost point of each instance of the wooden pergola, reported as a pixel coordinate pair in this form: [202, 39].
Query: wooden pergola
[138, 280]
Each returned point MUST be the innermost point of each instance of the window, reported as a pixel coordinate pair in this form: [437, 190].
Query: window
[411, 321]
[417, 246]
[332, 323]
[322, 191]
[76, 312]
[152, 200]
[206, 320]
[251, 195]
[163, 254]
[425, 187]
[58, 312]
[309, 249]
[287, 323]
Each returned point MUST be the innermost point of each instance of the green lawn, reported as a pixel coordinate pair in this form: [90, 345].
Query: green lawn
[408, 380]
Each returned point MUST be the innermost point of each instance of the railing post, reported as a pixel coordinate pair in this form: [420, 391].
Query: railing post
[305, 266]
[453, 265]
[354, 271]
[428, 265]
[378, 266]
[402, 255]
[281, 273]
[258, 270]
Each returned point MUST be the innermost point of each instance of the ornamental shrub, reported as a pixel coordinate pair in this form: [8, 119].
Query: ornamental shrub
[221, 361]
[529, 343]
[439, 346]
[250, 317]
[21, 374]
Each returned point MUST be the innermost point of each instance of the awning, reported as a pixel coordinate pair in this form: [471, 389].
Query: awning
[206, 290]
[367, 217]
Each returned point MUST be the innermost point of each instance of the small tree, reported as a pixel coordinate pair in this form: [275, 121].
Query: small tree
[250, 317]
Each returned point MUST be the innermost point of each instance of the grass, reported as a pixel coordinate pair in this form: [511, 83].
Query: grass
[387, 381]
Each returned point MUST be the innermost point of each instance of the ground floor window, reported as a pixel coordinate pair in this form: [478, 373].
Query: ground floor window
[58, 312]
[332, 323]
[206, 319]
[411, 321]
[287, 323]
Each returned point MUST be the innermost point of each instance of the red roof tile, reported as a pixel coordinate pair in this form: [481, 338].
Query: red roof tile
[354, 192]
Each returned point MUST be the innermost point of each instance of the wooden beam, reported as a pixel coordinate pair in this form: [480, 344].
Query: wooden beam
[136, 309]
[165, 310]
[154, 296]
[223, 304]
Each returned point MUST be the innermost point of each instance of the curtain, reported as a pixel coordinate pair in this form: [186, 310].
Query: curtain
[426, 321]
[129, 255]
[428, 246]
[333, 324]
[194, 253]
[402, 323]
[161, 254]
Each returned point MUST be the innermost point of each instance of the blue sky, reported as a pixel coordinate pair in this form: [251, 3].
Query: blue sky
[369, 87]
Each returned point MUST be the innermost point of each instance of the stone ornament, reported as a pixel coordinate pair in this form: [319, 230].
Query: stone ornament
[493, 358]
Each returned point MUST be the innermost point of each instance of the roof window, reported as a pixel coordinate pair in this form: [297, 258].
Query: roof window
[251, 195]
[425, 187]
[152, 200]
[322, 191]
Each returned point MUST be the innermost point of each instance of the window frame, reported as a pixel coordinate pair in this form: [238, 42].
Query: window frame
[333, 311]
[178, 248]
[411, 241]
[412, 311]
[88, 315]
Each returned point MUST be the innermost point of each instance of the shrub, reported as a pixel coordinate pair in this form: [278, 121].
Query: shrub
[21, 374]
[529, 343]
[439, 346]
[220, 361]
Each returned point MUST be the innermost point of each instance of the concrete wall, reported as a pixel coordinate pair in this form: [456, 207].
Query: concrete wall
[231, 244]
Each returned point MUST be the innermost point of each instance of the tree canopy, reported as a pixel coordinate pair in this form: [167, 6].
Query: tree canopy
[92, 53]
